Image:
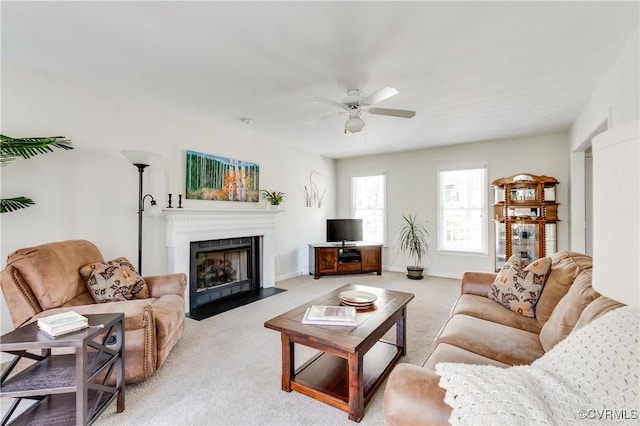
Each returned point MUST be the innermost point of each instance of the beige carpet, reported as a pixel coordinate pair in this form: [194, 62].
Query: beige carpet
[226, 369]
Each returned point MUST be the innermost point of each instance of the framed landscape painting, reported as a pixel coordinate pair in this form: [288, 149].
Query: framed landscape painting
[210, 177]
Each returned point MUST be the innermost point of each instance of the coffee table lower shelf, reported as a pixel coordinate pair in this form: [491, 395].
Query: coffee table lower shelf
[59, 409]
[325, 376]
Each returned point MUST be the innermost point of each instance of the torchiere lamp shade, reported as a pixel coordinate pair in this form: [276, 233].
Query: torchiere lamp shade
[616, 217]
[140, 157]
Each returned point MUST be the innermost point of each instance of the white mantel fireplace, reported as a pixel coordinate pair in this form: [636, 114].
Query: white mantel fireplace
[184, 226]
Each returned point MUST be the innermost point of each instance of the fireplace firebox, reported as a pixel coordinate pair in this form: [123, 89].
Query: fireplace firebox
[221, 269]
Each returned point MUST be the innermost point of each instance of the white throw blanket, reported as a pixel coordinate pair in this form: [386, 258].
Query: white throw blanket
[590, 377]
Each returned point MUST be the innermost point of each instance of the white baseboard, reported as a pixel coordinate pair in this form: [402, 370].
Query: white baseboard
[430, 272]
[384, 268]
[290, 275]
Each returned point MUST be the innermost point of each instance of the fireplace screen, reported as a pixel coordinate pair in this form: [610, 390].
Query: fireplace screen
[219, 268]
[223, 268]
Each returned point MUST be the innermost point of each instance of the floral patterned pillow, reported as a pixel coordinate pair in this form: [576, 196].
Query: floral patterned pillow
[114, 280]
[519, 284]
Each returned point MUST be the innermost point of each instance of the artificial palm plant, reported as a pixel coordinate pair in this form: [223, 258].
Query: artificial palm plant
[415, 239]
[11, 148]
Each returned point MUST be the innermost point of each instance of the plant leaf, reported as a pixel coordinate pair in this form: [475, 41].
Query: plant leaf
[11, 204]
[11, 148]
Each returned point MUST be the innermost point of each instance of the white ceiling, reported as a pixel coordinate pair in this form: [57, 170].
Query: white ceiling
[471, 70]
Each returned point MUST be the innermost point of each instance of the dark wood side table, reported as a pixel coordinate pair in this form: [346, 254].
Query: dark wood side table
[353, 361]
[72, 388]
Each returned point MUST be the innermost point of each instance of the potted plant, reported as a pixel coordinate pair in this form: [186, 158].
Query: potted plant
[274, 198]
[415, 239]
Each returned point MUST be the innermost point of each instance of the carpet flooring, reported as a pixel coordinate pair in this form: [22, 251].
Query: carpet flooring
[226, 369]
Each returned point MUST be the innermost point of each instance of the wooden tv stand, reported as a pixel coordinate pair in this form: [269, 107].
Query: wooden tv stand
[350, 258]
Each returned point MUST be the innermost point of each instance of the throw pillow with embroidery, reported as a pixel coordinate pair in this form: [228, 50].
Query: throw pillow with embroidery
[114, 280]
[519, 284]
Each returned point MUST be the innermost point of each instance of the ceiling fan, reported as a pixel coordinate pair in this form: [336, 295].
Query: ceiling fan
[355, 104]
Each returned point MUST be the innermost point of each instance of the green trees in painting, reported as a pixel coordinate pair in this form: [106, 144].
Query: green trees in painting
[216, 178]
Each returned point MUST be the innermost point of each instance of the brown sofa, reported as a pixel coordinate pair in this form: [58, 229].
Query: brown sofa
[44, 280]
[481, 331]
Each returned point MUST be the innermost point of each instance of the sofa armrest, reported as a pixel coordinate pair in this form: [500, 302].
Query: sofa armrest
[137, 313]
[477, 283]
[412, 396]
[159, 285]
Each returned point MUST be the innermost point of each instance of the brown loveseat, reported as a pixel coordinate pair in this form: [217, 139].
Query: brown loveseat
[44, 280]
[481, 331]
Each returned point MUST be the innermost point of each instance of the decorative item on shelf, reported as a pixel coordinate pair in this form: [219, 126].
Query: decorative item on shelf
[11, 148]
[274, 198]
[170, 206]
[414, 238]
[142, 160]
[179, 201]
[312, 195]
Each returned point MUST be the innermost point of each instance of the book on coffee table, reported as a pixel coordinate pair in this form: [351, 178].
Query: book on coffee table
[63, 323]
[330, 315]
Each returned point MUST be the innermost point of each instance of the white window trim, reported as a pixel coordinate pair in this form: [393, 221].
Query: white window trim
[484, 251]
[353, 207]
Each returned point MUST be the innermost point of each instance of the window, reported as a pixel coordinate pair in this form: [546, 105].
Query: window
[462, 224]
[368, 204]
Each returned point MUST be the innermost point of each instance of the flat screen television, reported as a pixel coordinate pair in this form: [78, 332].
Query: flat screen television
[342, 230]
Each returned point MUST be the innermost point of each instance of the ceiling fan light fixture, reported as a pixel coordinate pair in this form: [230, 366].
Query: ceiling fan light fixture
[354, 124]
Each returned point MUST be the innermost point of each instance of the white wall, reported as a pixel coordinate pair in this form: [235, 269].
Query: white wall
[615, 101]
[412, 189]
[91, 192]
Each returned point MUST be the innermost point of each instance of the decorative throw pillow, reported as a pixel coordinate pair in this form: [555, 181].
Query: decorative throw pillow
[114, 280]
[519, 284]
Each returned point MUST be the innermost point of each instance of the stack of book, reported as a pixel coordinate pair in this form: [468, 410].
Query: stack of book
[330, 315]
[65, 322]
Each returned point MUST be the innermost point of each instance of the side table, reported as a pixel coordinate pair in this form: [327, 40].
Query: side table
[72, 388]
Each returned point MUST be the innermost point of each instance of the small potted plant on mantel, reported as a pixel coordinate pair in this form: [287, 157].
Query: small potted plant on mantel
[274, 198]
[415, 239]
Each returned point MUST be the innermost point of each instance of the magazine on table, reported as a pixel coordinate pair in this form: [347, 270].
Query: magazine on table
[330, 315]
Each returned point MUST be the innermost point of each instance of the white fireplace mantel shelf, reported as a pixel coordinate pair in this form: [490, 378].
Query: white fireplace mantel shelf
[186, 225]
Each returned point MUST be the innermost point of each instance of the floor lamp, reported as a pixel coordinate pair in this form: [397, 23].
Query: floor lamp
[142, 160]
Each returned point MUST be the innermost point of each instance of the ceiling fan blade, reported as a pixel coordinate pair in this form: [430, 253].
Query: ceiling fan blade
[380, 95]
[392, 112]
[329, 101]
[324, 117]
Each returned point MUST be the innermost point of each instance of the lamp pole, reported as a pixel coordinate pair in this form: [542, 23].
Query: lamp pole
[141, 160]
[141, 168]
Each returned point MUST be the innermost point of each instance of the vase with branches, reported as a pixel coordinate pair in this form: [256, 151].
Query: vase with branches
[12, 148]
[415, 239]
[312, 195]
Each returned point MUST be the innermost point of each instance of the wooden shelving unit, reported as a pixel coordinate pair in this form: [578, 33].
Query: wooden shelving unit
[525, 214]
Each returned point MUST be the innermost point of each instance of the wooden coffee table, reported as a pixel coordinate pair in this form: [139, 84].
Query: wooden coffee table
[354, 360]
